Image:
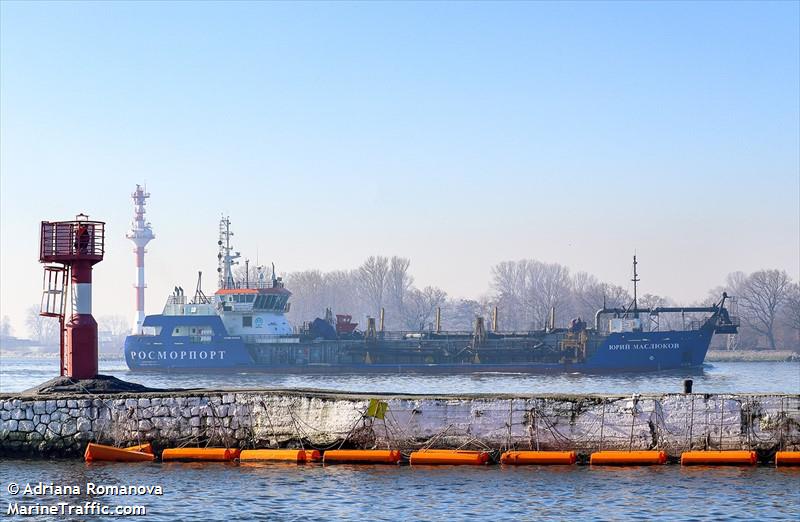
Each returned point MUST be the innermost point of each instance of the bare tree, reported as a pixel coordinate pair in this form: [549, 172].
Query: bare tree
[548, 287]
[5, 327]
[508, 283]
[791, 312]
[44, 330]
[112, 330]
[760, 299]
[460, 314]
[116, 325]
[341, 293]
[372, 279]
[421, 307]
[735, 282]
[588, 295]
[399, 283]
[307, 289]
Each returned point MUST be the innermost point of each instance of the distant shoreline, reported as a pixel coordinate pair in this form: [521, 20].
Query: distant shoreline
[752, 356]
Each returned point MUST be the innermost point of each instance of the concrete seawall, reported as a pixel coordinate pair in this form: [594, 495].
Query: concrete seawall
[63, 425]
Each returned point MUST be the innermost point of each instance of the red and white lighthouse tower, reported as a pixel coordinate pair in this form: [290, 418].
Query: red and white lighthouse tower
[140, 234]
[77, 245]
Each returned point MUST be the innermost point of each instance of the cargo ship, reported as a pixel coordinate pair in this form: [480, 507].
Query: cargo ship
[243, 327]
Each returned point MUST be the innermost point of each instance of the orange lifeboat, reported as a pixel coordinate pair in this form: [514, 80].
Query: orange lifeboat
[538, 457]
[787, 458]
[204, 454]
[365, 456]
[628, 458]
[102, 453]
[144, 448]
[449, 457]
[715, 458]
[283, 455]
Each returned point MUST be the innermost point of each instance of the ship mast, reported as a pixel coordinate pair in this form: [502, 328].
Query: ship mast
[635, 280]
[225, 258]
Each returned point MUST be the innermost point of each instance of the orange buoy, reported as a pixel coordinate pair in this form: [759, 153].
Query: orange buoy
[628, 458]
[787, 458]
[101, 453]
[285, 455]
[144, 448]
[538, 457]
[449, 457]
[747, 458]
[313, 456]
[372, 456]
[207, 454]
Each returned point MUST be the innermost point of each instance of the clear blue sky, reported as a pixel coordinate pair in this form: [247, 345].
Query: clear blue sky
[457, 134]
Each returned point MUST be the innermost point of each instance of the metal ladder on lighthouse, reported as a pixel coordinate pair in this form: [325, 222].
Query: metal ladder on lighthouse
[54, 302]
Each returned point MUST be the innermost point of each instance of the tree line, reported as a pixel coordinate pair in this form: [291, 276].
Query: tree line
[767, 301]
[44, 331]
[525, 291]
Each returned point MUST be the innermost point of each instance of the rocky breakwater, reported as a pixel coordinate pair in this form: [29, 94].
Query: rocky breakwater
[62, 426]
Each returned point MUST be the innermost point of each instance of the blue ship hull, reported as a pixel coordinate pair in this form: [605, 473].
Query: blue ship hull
[612, 353]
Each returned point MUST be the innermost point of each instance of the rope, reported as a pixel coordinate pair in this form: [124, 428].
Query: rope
[510, 422]
[633, 421]
[602, 423]
[691, 426]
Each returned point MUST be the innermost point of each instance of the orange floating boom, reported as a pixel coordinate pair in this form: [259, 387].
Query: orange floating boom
[787, 458]
[144, 448]
[285, 455]
[449, 457]
[372, 456]
[313, 456]
[628, 458]
[205, 454]
[101, 453]
[731, 458]
[538, 457]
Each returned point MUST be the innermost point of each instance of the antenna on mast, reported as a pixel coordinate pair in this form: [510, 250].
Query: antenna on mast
[225, 259]
[635, 280]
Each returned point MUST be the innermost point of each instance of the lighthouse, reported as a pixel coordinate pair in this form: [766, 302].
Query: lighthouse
[77, 246]
[141, 234]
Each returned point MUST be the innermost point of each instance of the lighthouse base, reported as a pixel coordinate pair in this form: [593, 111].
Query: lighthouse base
[81, 347]
[100, 384]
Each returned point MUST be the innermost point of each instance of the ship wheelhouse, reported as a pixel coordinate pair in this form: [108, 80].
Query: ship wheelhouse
[254, 310]
[268, 299]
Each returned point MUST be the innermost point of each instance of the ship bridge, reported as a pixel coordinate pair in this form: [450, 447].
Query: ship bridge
[273, 299]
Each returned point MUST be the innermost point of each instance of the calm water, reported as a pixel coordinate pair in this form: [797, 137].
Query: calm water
[316, 492]
[17, 374]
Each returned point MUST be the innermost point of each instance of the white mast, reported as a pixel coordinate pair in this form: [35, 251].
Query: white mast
[225, 258]
[141, 234]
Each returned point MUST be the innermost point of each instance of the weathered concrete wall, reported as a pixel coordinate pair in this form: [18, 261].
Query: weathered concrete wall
[673, 422]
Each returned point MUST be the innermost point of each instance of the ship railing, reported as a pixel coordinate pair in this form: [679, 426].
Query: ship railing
[695, 324]
[399, 335]
[256, 285]
[270, 338]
